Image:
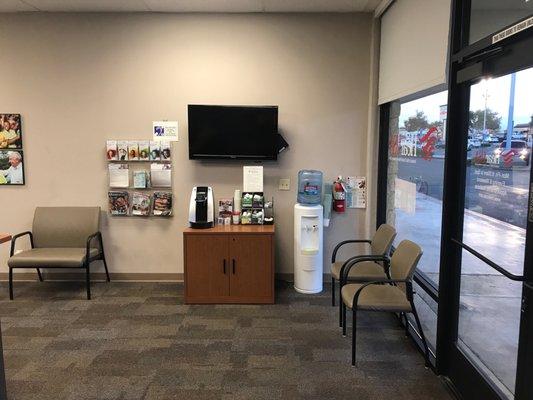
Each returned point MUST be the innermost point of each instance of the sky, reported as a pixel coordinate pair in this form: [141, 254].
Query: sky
[498, 91]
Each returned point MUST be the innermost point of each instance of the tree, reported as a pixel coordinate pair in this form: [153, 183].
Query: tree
[416, 122]
[493, 120]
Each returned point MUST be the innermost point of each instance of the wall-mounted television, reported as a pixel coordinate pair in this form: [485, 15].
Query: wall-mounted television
[233, 132]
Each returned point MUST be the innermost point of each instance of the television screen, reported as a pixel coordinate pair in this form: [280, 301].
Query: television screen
[233, 132]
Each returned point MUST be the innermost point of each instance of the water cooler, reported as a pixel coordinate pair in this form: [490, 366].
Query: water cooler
[308, 234]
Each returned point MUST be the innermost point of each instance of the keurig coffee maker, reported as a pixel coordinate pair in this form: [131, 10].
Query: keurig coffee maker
[201, 207]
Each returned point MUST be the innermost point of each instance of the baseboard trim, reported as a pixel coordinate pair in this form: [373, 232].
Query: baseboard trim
[120, 276]
[96, 276]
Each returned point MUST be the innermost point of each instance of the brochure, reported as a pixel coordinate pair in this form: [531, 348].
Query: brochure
[165, 151]
[119, 175]
[140, 179]
[161, 175]
[133, 150]
[122, 150]
[140, 204]
[162, 204]
[118, 203]
[155, 150]
[144, 150]
[112, 150]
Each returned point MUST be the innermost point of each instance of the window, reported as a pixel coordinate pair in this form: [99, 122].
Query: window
[487, 17]
[415, 175]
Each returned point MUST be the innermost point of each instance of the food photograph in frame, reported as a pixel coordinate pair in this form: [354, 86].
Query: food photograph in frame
[11, 167]
[10, 131]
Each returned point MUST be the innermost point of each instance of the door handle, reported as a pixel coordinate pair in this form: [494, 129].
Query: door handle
[233, 261]
[224, 266]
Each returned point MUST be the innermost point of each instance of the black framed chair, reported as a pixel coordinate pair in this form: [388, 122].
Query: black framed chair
[386, 295]
[61, 237]
[370, 266]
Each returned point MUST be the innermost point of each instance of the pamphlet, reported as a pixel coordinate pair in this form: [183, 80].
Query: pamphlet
[165, 151]
[133, 150]
[112, 150]
[140, 204]
[144, 150]
[162, 204]
[118, 203]
[122, 150]
[140, 179]
[155, 150]
[119, 175]
[161, 175]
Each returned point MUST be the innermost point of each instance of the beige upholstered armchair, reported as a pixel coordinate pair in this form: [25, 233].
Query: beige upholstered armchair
[61, 237]
[394, 294]
[370, 266]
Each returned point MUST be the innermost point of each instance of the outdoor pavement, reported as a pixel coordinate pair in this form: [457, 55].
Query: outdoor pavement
[490, 303]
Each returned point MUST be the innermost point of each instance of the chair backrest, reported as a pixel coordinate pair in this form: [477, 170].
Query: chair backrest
[382, 240]
[404, 260]
[64, 226]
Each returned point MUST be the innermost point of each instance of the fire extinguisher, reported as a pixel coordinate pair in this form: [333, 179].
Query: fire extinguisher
[339, 195]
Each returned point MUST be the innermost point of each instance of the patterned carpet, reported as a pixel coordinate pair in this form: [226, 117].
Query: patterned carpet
[139, 341]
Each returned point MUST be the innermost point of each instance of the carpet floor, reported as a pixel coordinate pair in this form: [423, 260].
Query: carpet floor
[139, 341]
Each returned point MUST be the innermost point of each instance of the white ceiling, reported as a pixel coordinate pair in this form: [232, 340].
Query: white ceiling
[188, 5]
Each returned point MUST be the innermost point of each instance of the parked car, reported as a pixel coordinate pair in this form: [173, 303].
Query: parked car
[518, 148]
[473, 143]
[492, 139]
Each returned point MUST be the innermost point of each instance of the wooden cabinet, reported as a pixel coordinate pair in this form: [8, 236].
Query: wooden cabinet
[229, 264]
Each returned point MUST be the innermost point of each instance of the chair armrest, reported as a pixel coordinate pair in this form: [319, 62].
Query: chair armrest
[349, 264]
[14, 239]
[392, 281]
[89, 240]
[336, 249]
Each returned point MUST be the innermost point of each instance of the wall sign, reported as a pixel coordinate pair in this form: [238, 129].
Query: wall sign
[165, 131]
[513, 30]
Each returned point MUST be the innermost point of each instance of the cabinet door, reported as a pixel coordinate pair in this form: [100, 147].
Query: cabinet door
[251, 267]
[206, 267]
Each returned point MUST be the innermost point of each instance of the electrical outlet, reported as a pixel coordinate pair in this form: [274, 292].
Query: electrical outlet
[285, 184]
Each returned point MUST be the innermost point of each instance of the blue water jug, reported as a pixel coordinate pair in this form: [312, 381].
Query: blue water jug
[309, 187]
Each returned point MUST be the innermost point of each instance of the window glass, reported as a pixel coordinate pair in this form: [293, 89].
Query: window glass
[415, 180]
[489, 16]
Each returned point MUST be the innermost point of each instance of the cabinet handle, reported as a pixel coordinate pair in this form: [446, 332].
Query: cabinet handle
[233, 261]
[224, 266]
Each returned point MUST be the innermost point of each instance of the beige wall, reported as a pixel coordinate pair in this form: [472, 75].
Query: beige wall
[78, 80]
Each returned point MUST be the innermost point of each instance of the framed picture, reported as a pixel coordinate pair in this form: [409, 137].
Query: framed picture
[11, 167]
[10, 131]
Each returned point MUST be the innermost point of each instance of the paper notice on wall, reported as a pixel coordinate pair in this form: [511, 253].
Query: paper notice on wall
[356, 192]
[405, 195]
[165, 131]
[252, 179]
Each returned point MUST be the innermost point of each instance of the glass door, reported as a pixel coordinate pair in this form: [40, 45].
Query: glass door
[493, 244]
[485, 325]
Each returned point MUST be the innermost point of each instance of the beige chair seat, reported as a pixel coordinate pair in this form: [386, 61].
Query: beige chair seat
[363, 271]
[376, 298]
[67, 257]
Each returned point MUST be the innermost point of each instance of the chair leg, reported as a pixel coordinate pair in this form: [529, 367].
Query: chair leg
[40, 276]
[10, 283]
[343, 318]
[340, 308]
[333, 292]
[354, 329]
[88, 281]
[421, 331]
[105, 266]
[406, 324]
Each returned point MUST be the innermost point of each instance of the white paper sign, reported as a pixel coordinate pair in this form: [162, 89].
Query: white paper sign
[252, 179]
[165, 130]
[356, 192]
